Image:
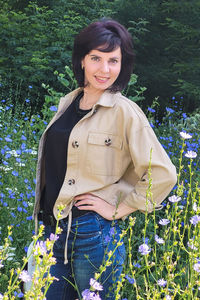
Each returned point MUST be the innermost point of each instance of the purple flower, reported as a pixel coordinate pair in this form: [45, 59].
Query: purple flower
[174, 199]
[159, 240]
[196, 267]
[144, 249]
[162, 282]
[40, 248]
[107, 239]
[164, 222]
[95, 284]
[88, 295]
[168, 297]
[53, 237]
[195, 220]
[191, 154]
[185, 135]
[112, 231]
[24, 276]
[130, 279]
[137, 265]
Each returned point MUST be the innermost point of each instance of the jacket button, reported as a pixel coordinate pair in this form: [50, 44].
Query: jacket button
[108, 142]
[71, 181]
[75, 144]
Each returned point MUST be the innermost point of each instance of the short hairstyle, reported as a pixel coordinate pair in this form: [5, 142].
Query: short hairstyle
[105, 35]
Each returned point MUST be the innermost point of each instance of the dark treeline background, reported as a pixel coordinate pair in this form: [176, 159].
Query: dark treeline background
[37, 39]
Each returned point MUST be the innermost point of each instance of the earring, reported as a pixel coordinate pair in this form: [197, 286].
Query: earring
[82, 66]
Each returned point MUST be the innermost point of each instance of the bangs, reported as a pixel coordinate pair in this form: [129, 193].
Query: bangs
[110, 44]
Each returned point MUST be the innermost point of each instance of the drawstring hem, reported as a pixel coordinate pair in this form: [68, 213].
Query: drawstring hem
[68, 231]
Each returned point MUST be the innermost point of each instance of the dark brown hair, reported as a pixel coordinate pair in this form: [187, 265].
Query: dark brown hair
[105, 35]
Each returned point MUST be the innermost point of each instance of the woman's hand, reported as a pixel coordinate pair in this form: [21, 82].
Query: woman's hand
[100, 206]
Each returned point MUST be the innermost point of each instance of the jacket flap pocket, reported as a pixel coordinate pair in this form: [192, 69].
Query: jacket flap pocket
[105, 139]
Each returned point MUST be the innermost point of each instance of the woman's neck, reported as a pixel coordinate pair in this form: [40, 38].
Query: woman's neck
[90, 97]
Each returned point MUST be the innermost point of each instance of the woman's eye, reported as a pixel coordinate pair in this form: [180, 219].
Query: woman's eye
[114, 61]
[95, 58]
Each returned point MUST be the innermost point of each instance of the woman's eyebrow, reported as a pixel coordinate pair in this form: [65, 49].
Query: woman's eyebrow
[113, 57]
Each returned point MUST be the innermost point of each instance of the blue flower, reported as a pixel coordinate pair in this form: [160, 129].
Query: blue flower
[169, 110]
[15, 173]
[53, 108]
[30, 86]
[151, 109]
[27, 100]
[130, 279]
[8, 139]
[23, 138]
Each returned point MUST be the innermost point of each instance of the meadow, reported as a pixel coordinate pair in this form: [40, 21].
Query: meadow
[163, 248]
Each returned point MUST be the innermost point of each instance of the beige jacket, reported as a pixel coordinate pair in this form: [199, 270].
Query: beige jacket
[108, 156]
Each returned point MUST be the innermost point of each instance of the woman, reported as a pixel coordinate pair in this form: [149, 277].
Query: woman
[94, 158]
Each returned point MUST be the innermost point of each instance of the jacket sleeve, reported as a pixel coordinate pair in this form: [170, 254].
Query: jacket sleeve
[163, 173]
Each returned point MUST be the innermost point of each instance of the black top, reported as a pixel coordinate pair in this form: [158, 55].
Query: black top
[56, 154]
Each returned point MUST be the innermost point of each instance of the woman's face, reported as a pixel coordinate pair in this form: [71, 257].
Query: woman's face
[101, 68]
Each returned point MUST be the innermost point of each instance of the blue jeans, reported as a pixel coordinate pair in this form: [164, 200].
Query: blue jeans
[90, 238]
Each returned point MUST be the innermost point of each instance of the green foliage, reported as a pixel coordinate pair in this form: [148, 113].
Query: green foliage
[166, 39]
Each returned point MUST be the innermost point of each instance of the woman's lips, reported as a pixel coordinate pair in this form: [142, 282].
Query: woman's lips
[101, 79]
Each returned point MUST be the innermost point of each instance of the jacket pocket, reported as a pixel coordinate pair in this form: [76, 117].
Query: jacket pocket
[104, 154]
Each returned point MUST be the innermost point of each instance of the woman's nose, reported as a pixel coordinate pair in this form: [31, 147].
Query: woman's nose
[105, 67]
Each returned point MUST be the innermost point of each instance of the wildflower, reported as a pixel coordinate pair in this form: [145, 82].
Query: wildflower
[194, 207]
[184, 115]
[8, 139]
[168, 297]
[53, 108]
[27, 100]
[137, 265]
[112, 231]
[107, 239]
[130, 279]
[88, 295]
[24, 276]
[144, 249]
[164, 222]
[169, 110]
[191, 246]
[195, 220]
[162, 282]
[95, 285]
[185, 135]
[20, 295]
[40, 248]
[1, 296]
[23, 138]
[174, 199]
[196, 267]
[159, 240]
[191, 154]
[151, 109]
[54, 237]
